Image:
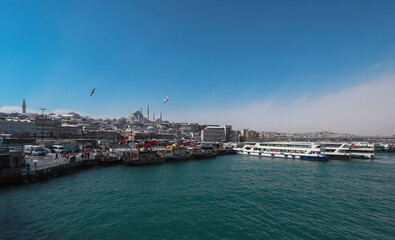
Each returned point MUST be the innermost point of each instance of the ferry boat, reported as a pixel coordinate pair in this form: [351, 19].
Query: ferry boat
[292, 150]
[203, 151]
[362, 150]
[336, 151]
[141, 157]
[346, 151]
[384, 147]
[175, 153]
[380, 147]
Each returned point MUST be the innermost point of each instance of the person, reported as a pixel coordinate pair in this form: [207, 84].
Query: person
[28, 167]
[35, 165]
[56, 156]
[67, 156]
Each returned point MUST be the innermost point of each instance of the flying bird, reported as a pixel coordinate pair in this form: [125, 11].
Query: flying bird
[93, 91]
[166, 99]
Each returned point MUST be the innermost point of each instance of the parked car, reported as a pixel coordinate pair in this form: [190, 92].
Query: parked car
[34, 150]
[59, 149]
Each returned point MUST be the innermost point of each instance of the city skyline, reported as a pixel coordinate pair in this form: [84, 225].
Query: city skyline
[257, 65]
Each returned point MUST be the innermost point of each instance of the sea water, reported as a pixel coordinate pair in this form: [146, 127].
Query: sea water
[230, 197]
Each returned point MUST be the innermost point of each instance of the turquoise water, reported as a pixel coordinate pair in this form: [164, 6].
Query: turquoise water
[231, 197]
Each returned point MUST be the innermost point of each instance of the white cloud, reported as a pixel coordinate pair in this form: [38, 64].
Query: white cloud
[13, 109]
[18, 109]
[65, 111]
[364, 109]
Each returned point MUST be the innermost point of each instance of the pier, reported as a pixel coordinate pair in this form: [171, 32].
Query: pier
[33, 172]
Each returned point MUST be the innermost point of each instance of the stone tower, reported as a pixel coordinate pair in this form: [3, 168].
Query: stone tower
[148, 112]
[24, 106]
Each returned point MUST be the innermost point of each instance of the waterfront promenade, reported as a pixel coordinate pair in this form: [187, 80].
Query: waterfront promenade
[45, 167]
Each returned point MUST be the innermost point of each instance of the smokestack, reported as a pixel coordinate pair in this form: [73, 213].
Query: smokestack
[160, 116]
[148, 112]
[153, 117]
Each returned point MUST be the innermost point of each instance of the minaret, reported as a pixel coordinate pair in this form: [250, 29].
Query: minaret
[148, 112]
[160, 116]
[24, 106]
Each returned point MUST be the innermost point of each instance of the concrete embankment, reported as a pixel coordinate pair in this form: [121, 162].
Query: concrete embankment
[24, 175]
[21, 175]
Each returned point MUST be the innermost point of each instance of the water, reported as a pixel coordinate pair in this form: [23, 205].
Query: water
[231, 197]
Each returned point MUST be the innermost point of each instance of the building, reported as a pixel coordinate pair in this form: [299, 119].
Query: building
[216, 133]
[213, 134]
[71, 131]
[47, 127]
[244, 132]
[252, 136]
[228, 133]
[18, 127]
[136, 116]
[104, 134]
[133, 136]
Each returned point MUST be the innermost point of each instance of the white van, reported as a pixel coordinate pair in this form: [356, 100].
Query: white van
[58, 149]
[34, 150]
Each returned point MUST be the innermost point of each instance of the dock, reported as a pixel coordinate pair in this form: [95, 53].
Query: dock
[33, 173]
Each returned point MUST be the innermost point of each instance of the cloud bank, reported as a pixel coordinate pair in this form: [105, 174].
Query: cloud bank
[363, 109]
[18, 109]
[13, 109]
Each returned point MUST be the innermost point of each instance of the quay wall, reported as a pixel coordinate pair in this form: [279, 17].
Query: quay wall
[23, 175]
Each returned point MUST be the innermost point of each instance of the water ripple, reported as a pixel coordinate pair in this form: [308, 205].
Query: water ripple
[231, 197]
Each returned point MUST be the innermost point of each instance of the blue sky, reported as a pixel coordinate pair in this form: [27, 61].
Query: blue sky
[205, 55]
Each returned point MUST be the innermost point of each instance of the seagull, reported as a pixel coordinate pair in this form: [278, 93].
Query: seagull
[93, 91]
[166, 99]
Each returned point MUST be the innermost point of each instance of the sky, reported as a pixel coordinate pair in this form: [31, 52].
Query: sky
[294, 66]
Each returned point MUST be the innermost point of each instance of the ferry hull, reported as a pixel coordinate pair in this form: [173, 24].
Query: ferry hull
[338, 157]
[361, 156]
[176, 158]
[312, 157]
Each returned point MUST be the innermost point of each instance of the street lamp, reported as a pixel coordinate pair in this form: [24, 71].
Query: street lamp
[42, 124]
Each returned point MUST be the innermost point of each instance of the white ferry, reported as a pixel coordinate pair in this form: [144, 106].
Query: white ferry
[292, 150]
[362, 150]
[337, 151]
[346, 151]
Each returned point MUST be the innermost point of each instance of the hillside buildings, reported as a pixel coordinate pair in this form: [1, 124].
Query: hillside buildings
[215, 133]
[18, 127]
[47, 127]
